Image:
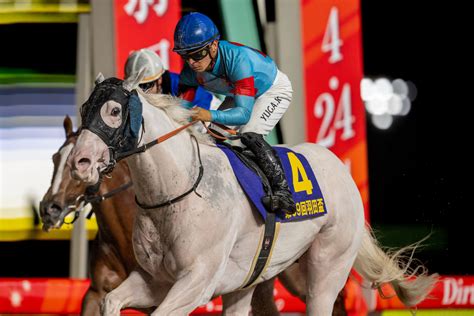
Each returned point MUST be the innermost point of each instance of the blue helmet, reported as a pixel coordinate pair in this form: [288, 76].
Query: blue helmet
[193, 31]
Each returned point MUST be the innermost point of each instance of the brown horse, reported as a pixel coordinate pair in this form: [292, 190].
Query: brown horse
[112, 257]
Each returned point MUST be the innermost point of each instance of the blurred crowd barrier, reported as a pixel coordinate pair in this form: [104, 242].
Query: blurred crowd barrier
[31, 119]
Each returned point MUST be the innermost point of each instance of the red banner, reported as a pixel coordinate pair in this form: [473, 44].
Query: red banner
[450, 292]
[335, 114]
[146, 24]
[64, 296]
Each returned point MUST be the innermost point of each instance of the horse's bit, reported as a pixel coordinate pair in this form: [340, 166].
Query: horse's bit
[84, 199]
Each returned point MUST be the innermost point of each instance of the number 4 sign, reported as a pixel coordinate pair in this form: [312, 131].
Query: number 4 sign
[335, 114]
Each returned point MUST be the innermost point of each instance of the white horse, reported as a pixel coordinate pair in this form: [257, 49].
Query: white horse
[202, 246]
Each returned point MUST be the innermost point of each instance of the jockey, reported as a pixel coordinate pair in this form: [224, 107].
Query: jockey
[257, 94]
[159, 80]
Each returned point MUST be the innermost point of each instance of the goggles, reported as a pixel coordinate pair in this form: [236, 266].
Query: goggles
[196, 55]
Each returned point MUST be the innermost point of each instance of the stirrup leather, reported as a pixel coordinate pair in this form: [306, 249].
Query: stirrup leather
[271, 203]
[274, 203]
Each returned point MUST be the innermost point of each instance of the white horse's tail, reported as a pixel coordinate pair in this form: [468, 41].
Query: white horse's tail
[411, 285]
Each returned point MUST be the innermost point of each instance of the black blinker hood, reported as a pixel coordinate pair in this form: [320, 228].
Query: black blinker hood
[119, 139]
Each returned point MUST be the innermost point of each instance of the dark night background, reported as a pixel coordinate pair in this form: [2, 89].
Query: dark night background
[417, 169]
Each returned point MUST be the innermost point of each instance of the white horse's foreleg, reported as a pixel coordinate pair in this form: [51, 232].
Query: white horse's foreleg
[133, 292]
[238, 303]
[191, 290]
[329, 261]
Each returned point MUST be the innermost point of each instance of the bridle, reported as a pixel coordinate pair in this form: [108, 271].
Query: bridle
[91, 196]
[126, 135]
[154, 142]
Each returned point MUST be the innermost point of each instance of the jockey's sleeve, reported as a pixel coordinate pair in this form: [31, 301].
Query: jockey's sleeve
[241, 75]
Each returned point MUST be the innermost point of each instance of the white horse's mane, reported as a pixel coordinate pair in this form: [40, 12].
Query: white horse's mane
[172, 107]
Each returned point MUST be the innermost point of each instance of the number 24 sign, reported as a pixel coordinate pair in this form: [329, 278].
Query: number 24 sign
[333, 70]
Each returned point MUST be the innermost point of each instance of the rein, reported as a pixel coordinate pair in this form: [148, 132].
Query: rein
[85, 199]
[230, 135]
[100, 198]
[146, 146]
[180, 197]
[160, 139]
[222, 130]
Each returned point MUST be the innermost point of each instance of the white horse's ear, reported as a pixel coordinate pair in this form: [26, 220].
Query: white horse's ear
[100, 77]
[132, 82]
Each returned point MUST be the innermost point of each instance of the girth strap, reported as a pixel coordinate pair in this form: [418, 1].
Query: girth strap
[261, 262]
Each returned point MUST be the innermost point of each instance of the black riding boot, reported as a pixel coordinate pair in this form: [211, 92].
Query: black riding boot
[270, 164]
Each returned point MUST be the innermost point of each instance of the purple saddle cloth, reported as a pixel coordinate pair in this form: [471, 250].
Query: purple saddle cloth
[303, 184]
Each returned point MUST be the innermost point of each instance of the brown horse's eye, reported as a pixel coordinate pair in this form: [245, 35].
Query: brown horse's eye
[115, 111]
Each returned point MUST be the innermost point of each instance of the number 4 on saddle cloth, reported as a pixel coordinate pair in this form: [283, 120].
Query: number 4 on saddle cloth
[302, 182]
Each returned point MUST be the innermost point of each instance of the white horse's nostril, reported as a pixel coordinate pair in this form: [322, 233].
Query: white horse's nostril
[84, 161]
[83, 164]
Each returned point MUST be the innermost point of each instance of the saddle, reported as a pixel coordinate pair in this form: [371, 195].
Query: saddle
[248, 159]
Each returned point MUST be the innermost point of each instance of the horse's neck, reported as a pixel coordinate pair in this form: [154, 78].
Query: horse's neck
[169, 168]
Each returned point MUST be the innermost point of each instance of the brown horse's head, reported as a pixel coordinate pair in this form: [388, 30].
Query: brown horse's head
[62, 196]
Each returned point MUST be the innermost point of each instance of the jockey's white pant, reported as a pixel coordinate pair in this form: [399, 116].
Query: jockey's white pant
[268, 108]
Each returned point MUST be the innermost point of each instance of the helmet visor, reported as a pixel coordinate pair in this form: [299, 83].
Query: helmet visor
[147, 86]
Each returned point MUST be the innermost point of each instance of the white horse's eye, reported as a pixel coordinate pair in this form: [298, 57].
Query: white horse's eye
[115, 111]
[111, 113]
